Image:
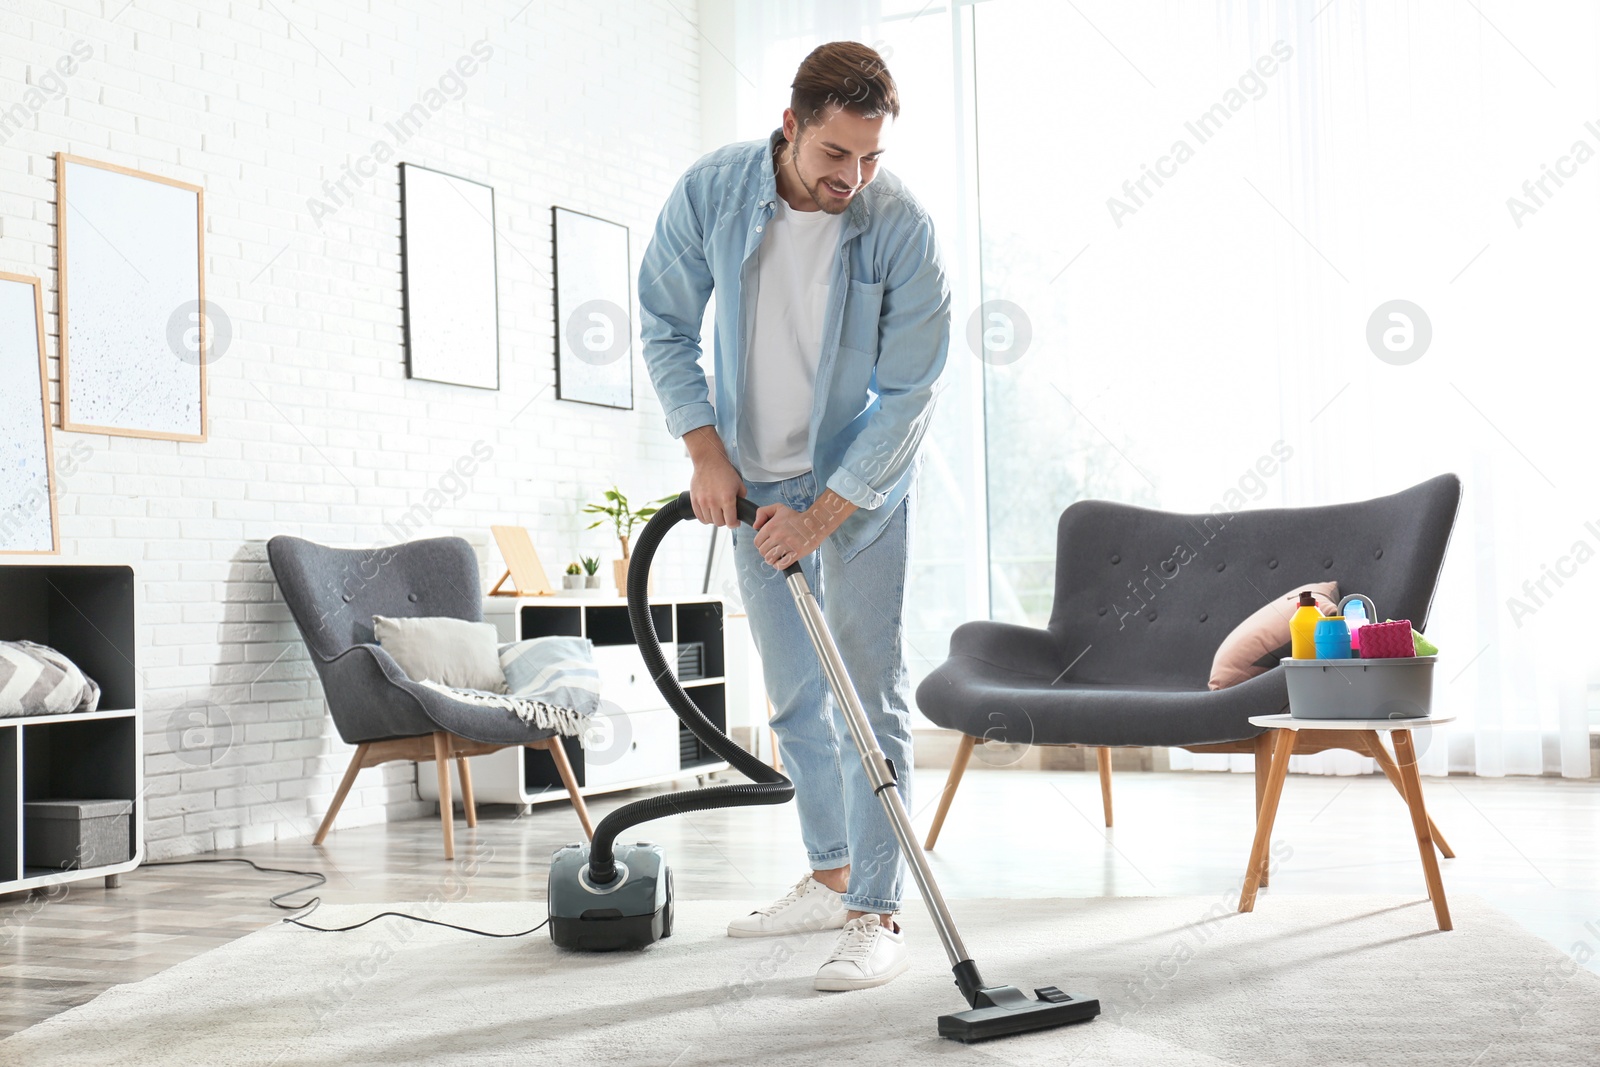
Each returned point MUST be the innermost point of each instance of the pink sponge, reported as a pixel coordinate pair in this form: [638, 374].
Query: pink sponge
[1387, 640]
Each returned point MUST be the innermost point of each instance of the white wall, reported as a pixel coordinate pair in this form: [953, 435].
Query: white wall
[315, 429]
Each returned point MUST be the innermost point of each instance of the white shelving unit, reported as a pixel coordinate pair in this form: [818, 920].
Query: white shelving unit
[642, 742]
[87, 612]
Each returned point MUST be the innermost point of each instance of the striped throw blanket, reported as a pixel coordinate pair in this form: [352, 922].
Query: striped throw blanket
[38, 680]
[551, 683]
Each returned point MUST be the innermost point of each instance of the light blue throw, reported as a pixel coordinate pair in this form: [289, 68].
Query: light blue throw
[551, 682]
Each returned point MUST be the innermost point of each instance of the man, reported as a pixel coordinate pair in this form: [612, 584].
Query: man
[832, 326]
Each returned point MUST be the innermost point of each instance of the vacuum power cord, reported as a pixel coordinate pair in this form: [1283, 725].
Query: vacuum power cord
[311, 905]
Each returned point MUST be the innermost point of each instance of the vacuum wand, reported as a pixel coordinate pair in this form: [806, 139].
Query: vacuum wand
[996, 1010]
[880, 772]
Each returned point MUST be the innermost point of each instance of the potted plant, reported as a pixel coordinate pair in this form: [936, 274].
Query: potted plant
[573, 579]
[591, 565]
[622, 518]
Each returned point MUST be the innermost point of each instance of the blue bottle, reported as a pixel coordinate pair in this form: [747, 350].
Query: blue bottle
[1333, 638]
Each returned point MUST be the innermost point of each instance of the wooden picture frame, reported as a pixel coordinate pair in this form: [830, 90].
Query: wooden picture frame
[21, 528]
[123, 252]
[593, 309]
[449, 278]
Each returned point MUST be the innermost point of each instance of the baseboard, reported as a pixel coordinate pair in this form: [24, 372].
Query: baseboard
[937, 749]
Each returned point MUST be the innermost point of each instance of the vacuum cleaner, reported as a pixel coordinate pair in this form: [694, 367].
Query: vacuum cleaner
[606, 896]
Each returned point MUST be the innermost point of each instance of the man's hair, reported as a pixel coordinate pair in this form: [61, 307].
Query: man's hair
[844, 74]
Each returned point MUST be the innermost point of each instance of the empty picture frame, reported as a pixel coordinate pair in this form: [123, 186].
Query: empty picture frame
[594, 323]
[131, 302]
[449, 278]
[27, 473]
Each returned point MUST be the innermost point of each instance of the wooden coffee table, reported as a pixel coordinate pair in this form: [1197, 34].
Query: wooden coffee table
[1358, 735]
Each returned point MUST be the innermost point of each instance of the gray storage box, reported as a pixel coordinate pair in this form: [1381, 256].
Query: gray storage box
[1360, 688]
[68, 835]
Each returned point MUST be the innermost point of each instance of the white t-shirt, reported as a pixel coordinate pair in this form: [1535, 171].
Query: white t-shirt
[795, 263]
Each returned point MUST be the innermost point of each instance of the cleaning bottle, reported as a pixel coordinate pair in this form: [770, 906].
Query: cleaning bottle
[1355, 617]
[1332, 638]
[1303, 628]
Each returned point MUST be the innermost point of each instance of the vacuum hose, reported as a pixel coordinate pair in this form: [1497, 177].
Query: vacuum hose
[768, 786]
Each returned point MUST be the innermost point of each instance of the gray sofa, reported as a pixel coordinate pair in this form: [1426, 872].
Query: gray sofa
[1142, 600]
[333, 593]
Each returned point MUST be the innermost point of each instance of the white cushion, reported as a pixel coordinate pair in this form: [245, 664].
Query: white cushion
[448, 651]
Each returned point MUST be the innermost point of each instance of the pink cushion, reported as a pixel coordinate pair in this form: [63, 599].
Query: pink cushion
[1255, 645]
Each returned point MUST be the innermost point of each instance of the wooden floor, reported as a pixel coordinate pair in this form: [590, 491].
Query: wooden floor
[1524, 844]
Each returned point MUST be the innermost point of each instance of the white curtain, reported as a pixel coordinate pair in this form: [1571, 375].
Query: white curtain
[1337, 157]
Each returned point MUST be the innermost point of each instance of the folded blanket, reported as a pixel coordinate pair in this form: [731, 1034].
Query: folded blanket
[38, 680]
[552, 684]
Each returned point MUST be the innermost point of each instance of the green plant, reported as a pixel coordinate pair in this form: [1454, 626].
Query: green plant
[572, 568]
[591, 564]
[621, 515]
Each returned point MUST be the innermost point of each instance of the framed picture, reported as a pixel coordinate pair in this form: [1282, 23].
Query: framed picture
[449, 278]
[27, 471]
[135, 335]
[594, 324]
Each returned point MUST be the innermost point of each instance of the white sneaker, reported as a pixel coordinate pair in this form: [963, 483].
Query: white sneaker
[810, 905]
[868, 954]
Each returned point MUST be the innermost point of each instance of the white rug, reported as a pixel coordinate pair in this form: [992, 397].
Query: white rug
[1302, 980]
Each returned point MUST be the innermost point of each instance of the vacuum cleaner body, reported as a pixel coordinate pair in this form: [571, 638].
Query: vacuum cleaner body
[633, 911]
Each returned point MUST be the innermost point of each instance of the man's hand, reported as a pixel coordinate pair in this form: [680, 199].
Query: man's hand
[715, 487]
[785, 536]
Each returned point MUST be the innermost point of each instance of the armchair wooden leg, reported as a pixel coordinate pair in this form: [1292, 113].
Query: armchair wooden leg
[1385, 764]
[468, 803]
[553, 746]
[958, 767]
[441, 759]
[349, 780]
[1102, 756]
[1263, 755]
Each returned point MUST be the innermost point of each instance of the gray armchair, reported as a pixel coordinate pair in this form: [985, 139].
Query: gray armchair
[1144, 598]
[333, 594]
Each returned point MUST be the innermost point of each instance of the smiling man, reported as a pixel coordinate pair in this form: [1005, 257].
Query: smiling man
[832, 327]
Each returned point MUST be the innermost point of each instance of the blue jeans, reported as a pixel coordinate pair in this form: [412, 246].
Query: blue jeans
[841, 821]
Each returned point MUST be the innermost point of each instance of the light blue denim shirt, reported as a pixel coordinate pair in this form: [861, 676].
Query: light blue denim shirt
[884, 338]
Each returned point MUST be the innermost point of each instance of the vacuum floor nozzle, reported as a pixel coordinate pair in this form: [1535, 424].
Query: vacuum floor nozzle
[1007, 1010]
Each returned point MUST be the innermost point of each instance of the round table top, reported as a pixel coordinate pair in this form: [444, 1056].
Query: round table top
[1289, 722]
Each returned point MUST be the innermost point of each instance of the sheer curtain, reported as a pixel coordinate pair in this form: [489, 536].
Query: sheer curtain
[1205, 214]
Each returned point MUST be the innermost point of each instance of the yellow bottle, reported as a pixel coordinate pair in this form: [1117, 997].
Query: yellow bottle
[1303, 628]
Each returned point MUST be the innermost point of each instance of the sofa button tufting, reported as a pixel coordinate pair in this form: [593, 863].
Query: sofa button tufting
[1116, 559]
[1151, 616]
[349, 597]
[1221, 567]
[1272, 564]
[1378, 554]
[1327, 563]
[1102, 611]
[1203, 616]
[411, 597]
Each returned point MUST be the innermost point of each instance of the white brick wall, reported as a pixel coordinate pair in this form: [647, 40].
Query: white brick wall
[315, 429]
